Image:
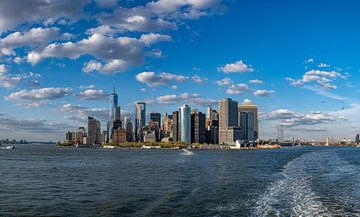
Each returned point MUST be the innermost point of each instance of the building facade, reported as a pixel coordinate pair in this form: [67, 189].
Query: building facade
[114, 114]
[247, 125]
[175, 126]
[228, 121]
[140, 111]
[156, 117]
[253, 109]
[185, 124]
[198, 130]
[94, 133]
[129, 131]
[119, 136]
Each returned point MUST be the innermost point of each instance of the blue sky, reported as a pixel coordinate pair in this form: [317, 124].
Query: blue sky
[298, 61]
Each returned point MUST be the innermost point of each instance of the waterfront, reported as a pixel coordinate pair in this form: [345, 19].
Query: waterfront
[56, 181]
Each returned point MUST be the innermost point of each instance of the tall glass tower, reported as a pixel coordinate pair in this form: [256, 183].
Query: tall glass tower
[113, 110]
[185, 124]
[140, 109]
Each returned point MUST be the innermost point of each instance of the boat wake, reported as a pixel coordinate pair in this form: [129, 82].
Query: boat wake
[294, 194]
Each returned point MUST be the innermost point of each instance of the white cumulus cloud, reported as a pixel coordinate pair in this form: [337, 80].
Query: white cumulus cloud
[236, 67]
[153, 79]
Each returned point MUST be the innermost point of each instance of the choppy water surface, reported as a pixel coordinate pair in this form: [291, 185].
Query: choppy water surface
[46, 180]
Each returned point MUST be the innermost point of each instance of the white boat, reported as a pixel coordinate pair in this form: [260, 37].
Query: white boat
[187, 152]
[7, 147]
[109, 146]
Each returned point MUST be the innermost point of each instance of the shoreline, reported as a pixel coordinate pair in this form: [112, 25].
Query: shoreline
[220, 148]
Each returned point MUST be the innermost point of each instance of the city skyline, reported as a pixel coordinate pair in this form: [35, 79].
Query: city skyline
[298, 64]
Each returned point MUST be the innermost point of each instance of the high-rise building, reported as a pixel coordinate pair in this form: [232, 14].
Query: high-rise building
[214, 115]
[126, 120]
[213, 134]
[81, 133]
[185, 123]
[129, 130]
[175, 126]
[70, 137]
[228, 120]
[228, 109]
[198, 129]
[104, 136]
[156, 117]
[94, 133]
[280, 133]
[167, 126]
[140, 109]
[151, 132]
[357, 139]
[208, 112]
[114, 114]
[254, 109]
[247, 126]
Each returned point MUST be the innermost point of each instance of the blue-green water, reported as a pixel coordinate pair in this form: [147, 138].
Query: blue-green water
[43, 180]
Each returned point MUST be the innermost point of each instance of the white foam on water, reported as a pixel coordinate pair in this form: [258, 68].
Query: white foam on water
[225, 207]
[292, 195]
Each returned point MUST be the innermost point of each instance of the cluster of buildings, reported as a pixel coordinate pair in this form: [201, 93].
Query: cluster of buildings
[231, 123]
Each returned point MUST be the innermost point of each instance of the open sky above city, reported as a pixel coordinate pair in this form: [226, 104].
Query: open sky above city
[297, 60]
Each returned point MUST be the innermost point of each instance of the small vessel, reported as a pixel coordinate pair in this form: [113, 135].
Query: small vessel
[187, 152]
[7, 147]
[109, 146]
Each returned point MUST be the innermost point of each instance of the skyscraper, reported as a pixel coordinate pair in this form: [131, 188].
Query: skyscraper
[357, 139]
[129, 129]
[228, 121]
[156, 117]
[114, 113]
[185, 124]
[94, 133]
[198, 128]
[247, 125]
[126, 120]
[140, 109]
[167, 124]
[214, 115]
[175, 126]
[280, 133]
[208, 112]
[254, 109]
[228, 109]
